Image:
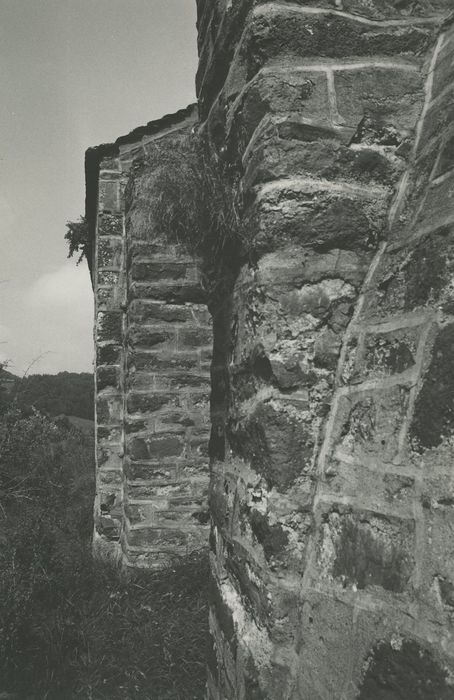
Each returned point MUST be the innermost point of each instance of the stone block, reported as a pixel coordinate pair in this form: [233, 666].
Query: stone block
[109, 326]
[391, 99]
[438, 119]
[362, 549]
[275, 28]
[194, 337]
[371, 423]
[443, 75]
[155, 447]
[310, 215]
[110, 224]
[277, 444]
[323, 157]
[162, 271]
[108, 434]
[110, 252]
[109, 196]
[277, 91]
[143, 311]
[154, 473]
[159, 539]
[109, 354]
[171, 292]
[196, 385]
[438, 205]
[108, 278]
[446, 155]
[151, 336]
[108, 377]
[433, 417]
[109, 409]
[415, 276]
[150, 402]
[383, 354]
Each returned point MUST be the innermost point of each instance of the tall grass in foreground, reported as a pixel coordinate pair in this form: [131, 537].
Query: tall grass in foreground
[71, 627]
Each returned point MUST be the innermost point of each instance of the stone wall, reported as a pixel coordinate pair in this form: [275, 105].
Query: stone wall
[332, 397]
[153, 340]
[331, 493]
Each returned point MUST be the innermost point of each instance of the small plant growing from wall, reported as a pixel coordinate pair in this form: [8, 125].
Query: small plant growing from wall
[78, 239]
[198, 203]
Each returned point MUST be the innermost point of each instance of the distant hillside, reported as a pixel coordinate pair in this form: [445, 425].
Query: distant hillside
[67, 393]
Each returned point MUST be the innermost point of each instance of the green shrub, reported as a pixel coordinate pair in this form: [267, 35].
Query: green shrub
[78, 237]
[71, 627]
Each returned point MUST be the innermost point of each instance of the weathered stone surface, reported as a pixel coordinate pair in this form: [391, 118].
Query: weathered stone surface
[363, 549]
[402, 669]
[433, 418]
[335, 35]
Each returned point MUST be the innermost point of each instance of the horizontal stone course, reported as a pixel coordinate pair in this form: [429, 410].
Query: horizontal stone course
[334, 35]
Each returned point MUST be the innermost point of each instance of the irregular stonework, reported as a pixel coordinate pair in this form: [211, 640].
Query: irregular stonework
[153, 340]
[330, 551]
[331, 335]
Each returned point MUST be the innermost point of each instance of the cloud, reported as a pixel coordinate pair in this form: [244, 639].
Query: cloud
[68, 288]
[7, 216]
[54, 322]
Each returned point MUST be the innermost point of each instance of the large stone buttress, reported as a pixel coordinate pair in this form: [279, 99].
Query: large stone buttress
[153, 348]
[332, 491]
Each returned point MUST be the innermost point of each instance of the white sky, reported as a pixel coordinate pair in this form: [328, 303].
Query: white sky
[73, 74]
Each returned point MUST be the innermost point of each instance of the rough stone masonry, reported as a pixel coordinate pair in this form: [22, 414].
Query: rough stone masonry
[329, 472]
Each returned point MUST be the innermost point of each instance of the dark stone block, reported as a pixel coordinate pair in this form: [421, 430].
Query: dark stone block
[417, 275]
[164, 361]
[403, 672]
[149, 336]
[165, 446]
[141, 311]
[324, 220]
[305, 35]
[155, 447]
[433, 417]
[165, 540]
[370, 550]
[272, 537]
[108, 354]
[110, 326]
[157, 271]
[195, 337]
[107, 377]
[278, 447]
[148, 402]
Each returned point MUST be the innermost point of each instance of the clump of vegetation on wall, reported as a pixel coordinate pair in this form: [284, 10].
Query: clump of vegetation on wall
[71, 627]
[78, 238]
[198, 200]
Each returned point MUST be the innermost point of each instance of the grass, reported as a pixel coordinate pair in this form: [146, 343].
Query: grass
[198, 202]
[71, 627]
